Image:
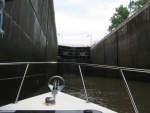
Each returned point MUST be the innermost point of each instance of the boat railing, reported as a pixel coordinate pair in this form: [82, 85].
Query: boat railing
[120, 69]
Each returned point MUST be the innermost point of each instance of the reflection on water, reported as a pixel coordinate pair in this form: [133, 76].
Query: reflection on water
[110, 93]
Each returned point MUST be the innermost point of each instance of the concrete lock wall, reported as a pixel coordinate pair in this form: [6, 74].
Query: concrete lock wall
[128, 45]
[30, 31]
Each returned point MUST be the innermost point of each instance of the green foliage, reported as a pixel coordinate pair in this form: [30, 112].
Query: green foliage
[135, 5]
[118, 17]
[122, 13]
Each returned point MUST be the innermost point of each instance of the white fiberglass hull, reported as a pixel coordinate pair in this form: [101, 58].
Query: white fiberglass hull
[63, 102]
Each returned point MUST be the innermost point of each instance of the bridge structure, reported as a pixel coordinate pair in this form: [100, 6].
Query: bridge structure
[66, 52]
[72, 54]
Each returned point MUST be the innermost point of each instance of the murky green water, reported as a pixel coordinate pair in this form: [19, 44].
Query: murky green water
[107, 92]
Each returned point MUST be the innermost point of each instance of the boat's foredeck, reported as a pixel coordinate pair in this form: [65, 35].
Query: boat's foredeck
[63, 102]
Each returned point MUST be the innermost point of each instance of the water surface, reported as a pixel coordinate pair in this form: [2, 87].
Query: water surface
[108, 92]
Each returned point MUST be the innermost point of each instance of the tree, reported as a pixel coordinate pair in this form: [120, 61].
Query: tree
[135, 5]
[118, 17]
[122, 13]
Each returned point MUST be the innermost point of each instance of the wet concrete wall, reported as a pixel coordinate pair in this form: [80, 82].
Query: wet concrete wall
[128, 45]
[30, 31]
[30, 35]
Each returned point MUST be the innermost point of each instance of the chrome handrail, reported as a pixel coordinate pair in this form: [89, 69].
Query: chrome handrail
[84, 64]
[21, 84]
[129, 92]
[87, 100]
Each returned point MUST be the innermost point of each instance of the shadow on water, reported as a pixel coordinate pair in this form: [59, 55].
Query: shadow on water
[107, 92]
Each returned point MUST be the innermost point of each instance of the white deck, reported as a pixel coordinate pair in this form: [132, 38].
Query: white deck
[63, 102]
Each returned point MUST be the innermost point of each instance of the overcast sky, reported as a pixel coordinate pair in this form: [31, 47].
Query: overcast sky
[82, 22]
